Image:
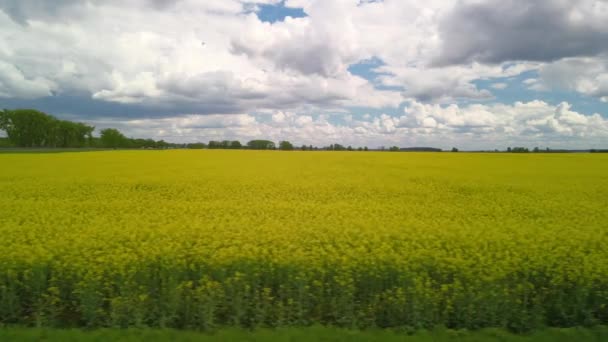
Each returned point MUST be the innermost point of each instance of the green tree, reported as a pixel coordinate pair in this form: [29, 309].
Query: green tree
[235, 145]
[27, 127]
[454, 149]
[520, 150]
[70, 134]
[394, 149]
[336, 147]
[162, 144]
[196, 146]
[4, 119]
[31, 128]
[261, 145]
[285, 146]
[112, 138]
[213, 144]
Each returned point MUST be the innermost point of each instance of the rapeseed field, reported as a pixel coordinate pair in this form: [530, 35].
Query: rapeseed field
[205, 239]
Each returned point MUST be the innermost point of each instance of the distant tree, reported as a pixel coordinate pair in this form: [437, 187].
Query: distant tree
[454, 149]
[304, 148]
[508, 149]
[235, 145]
[394, 149]
[112, 138]
[4, 142]
[214, 144]
[365, 148]
[69, 134]
[520, 150]
[349, 148]
[536, 150]
[360, 149]
[27, 127]
[196, 146]
[162, 144]
[285, 146]
[261, 145]
[4, 120]
[149, 143]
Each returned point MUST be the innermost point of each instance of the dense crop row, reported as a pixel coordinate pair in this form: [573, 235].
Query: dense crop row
[199, 239]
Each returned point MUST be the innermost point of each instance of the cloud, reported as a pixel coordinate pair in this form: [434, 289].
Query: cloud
[137, 54]
[531, 121]
[448, 84]
[587, 76]
[499, 86]
[324, 43]
[14, 83]
[154, 62]
[534, 123]
[496, 31]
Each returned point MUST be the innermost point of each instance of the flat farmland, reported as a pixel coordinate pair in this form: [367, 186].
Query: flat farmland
[206, 239]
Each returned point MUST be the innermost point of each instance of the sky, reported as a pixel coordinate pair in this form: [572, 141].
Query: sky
[474, 74]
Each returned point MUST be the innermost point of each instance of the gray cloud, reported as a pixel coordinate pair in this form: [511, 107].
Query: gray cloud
[530, 124]
[22, 10]
[495, 31]
[588, 76]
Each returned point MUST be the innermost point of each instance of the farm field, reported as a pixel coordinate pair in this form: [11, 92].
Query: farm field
[314, 333]
[209, 239]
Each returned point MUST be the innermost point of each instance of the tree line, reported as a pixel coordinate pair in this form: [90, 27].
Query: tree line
[32, 128]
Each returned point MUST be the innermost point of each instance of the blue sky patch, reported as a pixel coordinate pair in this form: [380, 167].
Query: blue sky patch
[275, 13]
[367, 69]
[516, 91]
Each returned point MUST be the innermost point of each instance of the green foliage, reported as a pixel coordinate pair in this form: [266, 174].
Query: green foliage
[285, 146]
[394, 149]
[519, 150]
[335, 147]
[454, 149]
[225, 144]
[214, 145]
[141, 143]
[31, 128]
[5, 142]
[261, 145]
[112, 138]
[196, 146]
[314, 333]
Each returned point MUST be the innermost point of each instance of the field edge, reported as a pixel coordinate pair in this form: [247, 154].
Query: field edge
[314, 333]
